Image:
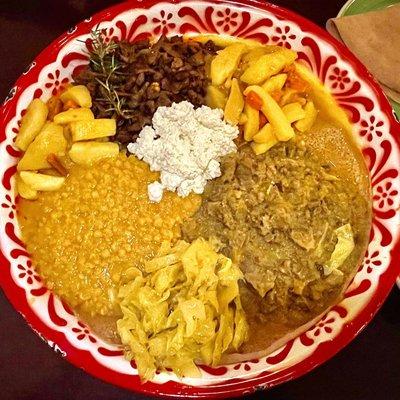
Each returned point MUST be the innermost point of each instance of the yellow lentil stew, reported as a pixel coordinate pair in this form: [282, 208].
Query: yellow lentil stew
[85, 236]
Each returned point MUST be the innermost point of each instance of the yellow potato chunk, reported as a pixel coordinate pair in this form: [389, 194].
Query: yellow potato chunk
[266, 135]
[55, 106]
[225, 63]
[96, 128]
[31, 124]
[307, 122]
[255, 53]
[252, 123]
[42, 182]
[223, 41]
[234, 105]
[25, 190]
[215, 98]
[274, 83]
[87, 153]
[288, 96]
[268, 65]
[260, 148]
[50, 140]
[242, 119]
[79, 94]
[72, 115]
[293, 112]
[281, 126]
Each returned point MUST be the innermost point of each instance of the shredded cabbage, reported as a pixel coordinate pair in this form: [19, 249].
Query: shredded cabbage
[343, 248]
[183, 309]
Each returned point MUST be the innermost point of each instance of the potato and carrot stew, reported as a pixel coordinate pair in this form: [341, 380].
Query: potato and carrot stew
[55, 133]
[260, 89]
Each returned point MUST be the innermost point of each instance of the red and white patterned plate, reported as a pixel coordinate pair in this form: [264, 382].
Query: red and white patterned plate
[374, 127]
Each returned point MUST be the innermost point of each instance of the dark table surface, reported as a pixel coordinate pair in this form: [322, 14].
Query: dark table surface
[368, 368]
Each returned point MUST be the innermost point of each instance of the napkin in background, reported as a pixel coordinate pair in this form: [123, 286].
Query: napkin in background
[374, 37]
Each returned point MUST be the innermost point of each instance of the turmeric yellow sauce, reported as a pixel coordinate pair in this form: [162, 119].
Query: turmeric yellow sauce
[85, 236]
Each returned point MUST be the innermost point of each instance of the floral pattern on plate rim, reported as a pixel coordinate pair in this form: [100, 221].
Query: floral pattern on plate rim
[375, 131]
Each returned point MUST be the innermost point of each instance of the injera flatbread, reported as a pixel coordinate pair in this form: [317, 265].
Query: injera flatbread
[374, 37]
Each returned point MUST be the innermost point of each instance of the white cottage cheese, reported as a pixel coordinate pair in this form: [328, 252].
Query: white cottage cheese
[185, 145]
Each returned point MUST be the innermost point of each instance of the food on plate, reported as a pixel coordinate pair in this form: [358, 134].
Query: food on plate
[267, 66]
[263, 90]
[274, 83]
[57, 165]
[87, 153]
[86, 235]
[234, 105]
[215, 98]
[50, 140]
[270, 108]
[195, 200]
[222, 40]
[24, 190]
[72, 115]
[160, 73]
[184, 306]
[282, 217]
[309, 116]
[79, 94]
[55, 106]
[38, 181]
[94, 129]
[294, 112]
[31, 124]
[52, 147]
[225, 63]
[185, 145]
[322, 97]
[252, 124]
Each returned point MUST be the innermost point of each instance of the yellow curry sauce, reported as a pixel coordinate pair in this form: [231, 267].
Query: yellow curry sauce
[84, 237]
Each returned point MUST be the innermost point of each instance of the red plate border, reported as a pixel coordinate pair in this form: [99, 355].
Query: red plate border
[235, 387]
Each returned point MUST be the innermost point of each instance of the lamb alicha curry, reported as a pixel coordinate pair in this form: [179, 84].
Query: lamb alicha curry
[195, 200]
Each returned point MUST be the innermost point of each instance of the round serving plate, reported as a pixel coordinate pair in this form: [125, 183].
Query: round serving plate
[375, 128]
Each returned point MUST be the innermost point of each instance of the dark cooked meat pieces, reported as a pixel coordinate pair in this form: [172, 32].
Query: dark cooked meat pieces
[148, 76]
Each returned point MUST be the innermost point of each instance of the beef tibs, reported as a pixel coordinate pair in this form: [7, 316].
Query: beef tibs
[128, 81]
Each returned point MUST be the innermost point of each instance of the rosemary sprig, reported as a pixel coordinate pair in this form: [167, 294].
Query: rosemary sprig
[115, 103]
[102, 53]
[103, 61]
